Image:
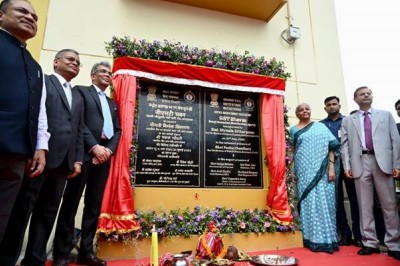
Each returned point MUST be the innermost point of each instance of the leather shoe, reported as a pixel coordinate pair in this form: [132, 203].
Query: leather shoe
[60, 262]
[357, 242]
[90, 260]
[394, 254]
[345, 241]
[368, 251]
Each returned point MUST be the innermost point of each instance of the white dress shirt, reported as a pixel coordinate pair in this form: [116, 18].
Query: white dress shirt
[43, 136]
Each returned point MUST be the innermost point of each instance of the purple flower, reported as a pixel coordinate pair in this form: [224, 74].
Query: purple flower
[209, 63]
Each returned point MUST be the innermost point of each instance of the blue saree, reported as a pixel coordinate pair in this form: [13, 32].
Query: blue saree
[317, 196]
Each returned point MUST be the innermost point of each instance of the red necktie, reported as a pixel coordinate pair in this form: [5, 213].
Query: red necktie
[368, 132]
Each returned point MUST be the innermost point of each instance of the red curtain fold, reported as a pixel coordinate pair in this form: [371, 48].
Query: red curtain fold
[275, 144]
[117, 211]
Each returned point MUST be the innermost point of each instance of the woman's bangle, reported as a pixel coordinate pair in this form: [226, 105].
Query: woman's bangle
[331, 161]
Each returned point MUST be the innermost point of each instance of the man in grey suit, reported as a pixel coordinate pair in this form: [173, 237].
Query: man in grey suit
[371, 155]
[41, 196]
[100, 144]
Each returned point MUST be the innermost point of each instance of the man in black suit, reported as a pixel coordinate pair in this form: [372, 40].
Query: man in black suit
[41, 196]
[23, 122]
[100, 144]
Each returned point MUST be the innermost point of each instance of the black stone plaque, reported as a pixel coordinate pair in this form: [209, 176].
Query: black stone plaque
[231, 140]
[168, 127]
[196, 137]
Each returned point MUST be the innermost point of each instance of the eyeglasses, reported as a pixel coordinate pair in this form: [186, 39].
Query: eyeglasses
[72, 59]
[103, 71]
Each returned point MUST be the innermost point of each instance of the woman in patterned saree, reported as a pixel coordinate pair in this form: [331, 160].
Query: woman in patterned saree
[315, 170]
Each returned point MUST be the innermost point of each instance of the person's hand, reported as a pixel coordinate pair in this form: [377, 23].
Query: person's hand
[35, 166]
[103, 156]
[96, 161]
[77, 170]
[396, 173]
[331, 174]
[100, 153]
[348, 173]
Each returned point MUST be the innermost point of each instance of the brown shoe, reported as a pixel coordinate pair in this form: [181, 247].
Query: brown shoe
[90, 260]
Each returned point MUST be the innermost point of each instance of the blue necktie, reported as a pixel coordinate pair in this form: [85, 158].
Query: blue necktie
[368, 132]
[108, 128]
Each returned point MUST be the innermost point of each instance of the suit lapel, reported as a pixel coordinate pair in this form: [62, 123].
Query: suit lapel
[75, 94]
[375, 120]
[95, 95]
[60, 90]
[355, 119]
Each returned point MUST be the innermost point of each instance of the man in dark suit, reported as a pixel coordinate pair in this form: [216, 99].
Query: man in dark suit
[100, 144]
[23, 122]
[371, 155]
[41, 196]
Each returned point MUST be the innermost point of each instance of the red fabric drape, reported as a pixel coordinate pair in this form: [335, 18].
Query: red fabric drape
[275, 143]
[211, 77]
[117, 211]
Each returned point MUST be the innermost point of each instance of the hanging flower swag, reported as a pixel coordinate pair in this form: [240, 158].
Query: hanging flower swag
[186, 222]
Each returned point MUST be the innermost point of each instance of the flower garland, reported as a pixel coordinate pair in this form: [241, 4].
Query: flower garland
[177, 52]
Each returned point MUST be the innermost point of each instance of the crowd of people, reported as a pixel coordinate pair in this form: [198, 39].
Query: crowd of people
[56, 141]
[360, 151]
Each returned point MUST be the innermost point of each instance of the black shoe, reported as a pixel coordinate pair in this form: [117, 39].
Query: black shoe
[394, 254]
[345, 241]
[368, 251]
[60, 262]
[357, 242]
[90, 260]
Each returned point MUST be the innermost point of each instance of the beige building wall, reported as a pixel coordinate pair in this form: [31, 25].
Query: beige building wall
[313, 60]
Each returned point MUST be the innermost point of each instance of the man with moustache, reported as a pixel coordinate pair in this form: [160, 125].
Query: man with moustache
[101, 137]
[371, 155]
[42, 195]
[333, 123]
[23, 122]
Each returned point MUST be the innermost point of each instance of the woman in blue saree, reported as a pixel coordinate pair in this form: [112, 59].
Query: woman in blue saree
[315, 171]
